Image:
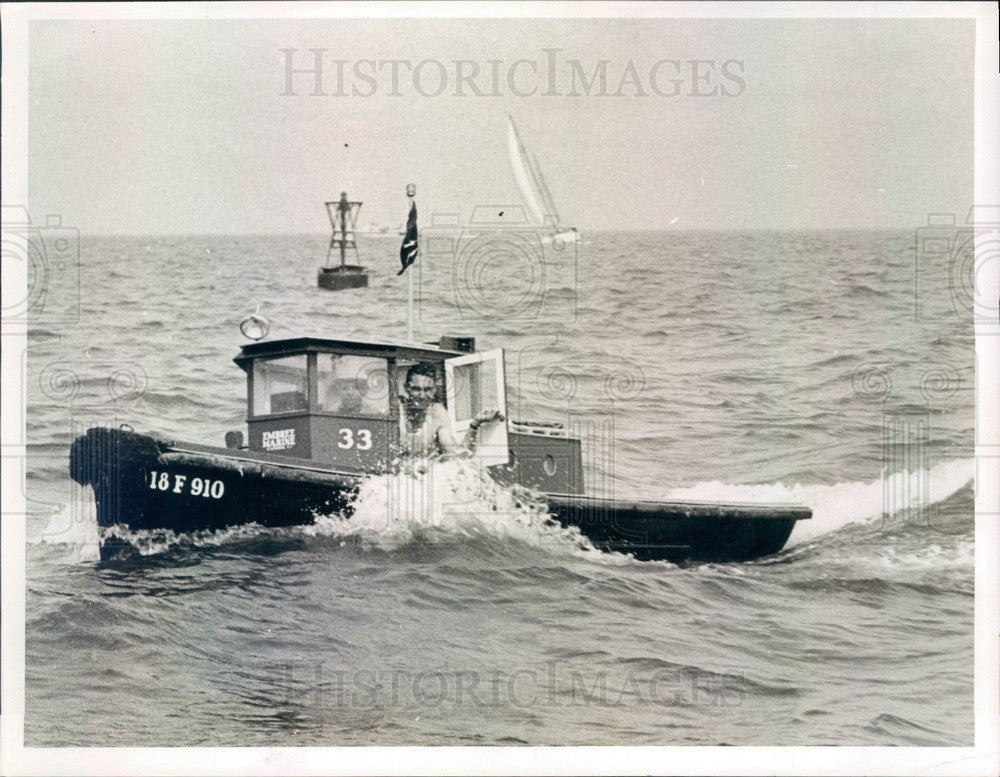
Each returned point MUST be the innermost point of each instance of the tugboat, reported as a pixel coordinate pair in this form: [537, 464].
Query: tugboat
[343, 216]
[325, 414]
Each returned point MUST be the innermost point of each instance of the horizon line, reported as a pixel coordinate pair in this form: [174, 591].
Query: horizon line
[581, 230]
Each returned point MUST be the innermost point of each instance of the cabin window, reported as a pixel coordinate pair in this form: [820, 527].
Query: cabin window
[353, 385]
[475, 389]
[280, 385]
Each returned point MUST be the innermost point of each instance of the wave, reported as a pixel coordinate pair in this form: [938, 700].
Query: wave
[41, 333]
[864, 290]
[178, 399]
[910, 732]
[878, 586]
[74, 526]
[843, 503]
[835, 361]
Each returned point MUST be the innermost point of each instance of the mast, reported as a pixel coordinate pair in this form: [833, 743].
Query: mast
[523, 174]
[549, 202]
[533, 170]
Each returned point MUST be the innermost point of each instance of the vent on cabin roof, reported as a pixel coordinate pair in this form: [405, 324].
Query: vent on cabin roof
[452, 343]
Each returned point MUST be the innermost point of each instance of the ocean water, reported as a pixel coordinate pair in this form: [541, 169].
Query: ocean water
[751, 366]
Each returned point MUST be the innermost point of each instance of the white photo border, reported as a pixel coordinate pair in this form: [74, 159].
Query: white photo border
[982, 758]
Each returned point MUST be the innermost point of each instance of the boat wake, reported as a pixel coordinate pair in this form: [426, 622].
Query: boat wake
[836, 506]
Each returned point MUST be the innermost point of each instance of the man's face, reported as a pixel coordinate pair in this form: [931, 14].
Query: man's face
[420, 390]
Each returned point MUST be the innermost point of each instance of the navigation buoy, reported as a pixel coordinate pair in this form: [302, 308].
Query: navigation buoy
[343, 217]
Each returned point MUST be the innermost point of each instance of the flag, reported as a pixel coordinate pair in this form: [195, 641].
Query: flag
[408, 251]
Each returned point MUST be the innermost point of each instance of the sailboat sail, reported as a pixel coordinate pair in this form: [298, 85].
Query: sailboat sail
[534, 189]
[543, 189]
[522, 174]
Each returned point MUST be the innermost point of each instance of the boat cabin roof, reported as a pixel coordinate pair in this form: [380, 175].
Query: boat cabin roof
[447, 348]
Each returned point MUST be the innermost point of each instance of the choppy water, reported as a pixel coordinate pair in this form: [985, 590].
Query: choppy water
[759, 366]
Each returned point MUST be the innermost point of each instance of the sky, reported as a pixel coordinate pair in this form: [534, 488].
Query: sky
[193, 126]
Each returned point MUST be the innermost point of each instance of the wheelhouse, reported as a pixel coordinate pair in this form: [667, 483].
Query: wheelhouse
[338, 401]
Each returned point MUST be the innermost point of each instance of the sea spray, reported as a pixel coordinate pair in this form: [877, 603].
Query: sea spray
[74, 525]
[444, 501]
[835, 506]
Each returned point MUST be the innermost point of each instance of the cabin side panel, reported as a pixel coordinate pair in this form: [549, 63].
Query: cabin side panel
[549, 464]
[354, 444]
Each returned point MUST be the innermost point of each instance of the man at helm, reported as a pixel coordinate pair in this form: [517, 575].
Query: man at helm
[424, 427]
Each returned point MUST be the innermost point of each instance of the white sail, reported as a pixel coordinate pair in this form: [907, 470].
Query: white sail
[522, 172]
[551, 214]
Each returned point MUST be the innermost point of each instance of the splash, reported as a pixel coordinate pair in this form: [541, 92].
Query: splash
[844, 503]
[958, 560]
[155, 542]
[450, 501]
[74, 525]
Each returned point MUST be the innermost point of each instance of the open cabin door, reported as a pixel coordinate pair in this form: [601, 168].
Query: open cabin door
[476, 383]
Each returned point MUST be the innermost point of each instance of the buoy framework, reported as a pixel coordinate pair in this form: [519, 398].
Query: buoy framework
[343, 215]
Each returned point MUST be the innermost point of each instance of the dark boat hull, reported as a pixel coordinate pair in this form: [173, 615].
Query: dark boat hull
[679, 531]
[143, 483]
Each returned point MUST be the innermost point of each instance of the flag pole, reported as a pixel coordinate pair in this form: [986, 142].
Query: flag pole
[411, 192]
[409, 306]
[408, 253]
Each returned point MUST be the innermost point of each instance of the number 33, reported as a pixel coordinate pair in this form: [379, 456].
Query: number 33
[364, 441]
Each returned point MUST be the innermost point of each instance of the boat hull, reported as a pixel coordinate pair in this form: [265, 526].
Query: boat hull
[143, 483]
[680, 531]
